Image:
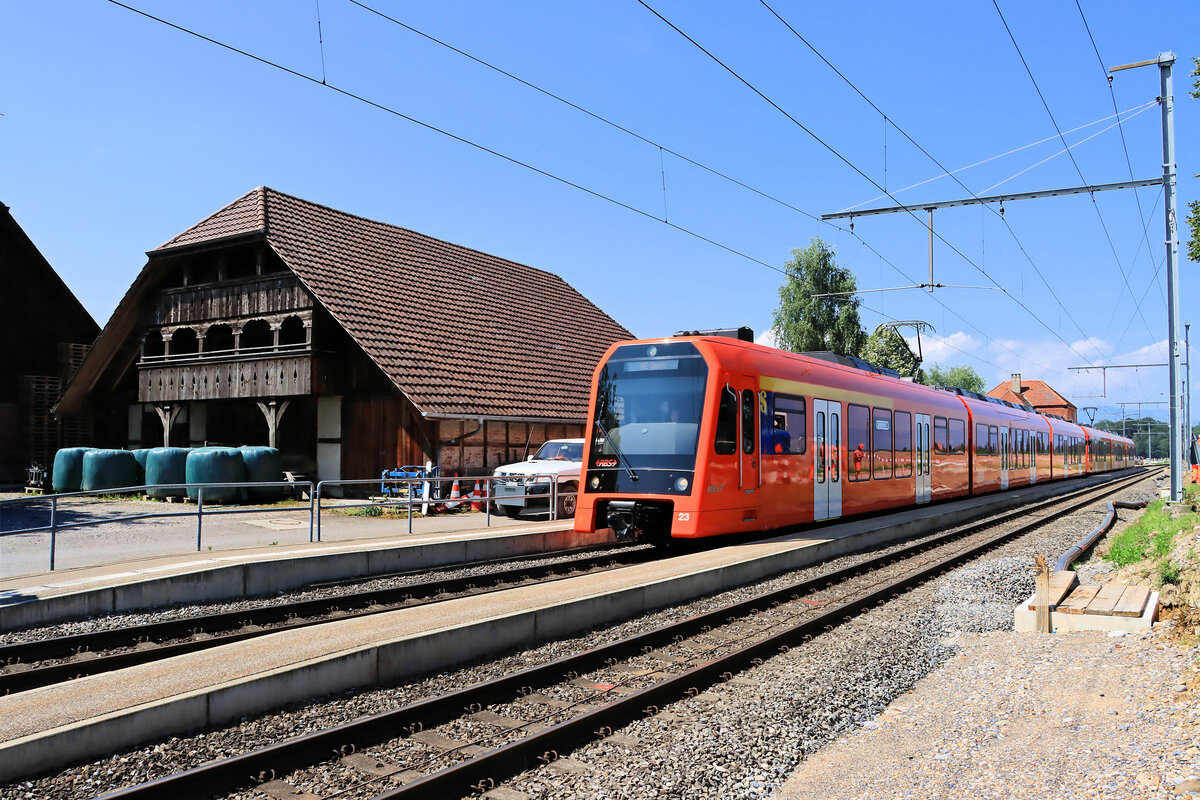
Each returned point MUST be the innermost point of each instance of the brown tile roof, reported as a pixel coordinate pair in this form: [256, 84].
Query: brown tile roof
[457, 330]
[1036, 393]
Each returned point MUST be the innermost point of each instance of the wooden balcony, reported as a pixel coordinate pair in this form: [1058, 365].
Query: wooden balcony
[271, 372]
[259, 296]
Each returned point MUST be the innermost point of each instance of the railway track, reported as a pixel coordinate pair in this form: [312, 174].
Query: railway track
[471, 739]
[31, 665]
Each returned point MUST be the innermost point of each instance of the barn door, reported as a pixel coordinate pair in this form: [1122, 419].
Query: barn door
[827, 459]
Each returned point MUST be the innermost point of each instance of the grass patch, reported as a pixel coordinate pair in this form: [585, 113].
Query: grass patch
[1152, 538]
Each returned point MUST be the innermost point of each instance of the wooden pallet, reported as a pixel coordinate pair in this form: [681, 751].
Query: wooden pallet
[1061, 584]
[1111, 599]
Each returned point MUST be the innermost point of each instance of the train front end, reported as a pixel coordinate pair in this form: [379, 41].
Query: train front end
[640, 463]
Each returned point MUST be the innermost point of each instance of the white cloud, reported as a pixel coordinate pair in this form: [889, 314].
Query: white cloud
[767, 338]
[946, 350]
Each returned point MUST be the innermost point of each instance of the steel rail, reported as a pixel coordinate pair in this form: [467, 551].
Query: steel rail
[289, 614]
[275, 760]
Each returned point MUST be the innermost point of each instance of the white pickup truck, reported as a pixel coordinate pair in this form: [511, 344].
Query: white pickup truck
[526, 484]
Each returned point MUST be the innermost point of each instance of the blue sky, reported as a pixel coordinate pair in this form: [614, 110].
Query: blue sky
[119, 132]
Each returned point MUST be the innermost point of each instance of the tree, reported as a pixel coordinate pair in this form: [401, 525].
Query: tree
[1193, 219]
[803, 322]
[887, 348]
[962, 376]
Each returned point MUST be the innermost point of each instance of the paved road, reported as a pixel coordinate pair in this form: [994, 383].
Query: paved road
[22, 554]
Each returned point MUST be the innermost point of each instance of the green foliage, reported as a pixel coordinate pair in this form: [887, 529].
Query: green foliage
[803, 322]
[962, 376]
[1151, 537]
[887, 348]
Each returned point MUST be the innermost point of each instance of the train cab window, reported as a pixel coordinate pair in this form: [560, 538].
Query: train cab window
[941, 436]
[725, 443]
[789, 422]
[981, 439]
[749, 409]
[858, 442]
[958, 437]
[902, 444]
[881, 432]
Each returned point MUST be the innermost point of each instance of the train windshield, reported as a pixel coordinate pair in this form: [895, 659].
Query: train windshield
[648, 406]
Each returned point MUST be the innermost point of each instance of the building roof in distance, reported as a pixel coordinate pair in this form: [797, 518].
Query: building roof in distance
[1034, 392]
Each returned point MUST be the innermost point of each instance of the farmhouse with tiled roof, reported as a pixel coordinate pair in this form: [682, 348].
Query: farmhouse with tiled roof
[352, 345]
[1037, 394]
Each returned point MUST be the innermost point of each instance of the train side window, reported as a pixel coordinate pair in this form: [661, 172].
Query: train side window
[958, 437]
[881, 431]
[790, 421]
[941, 436]
[835, 450]
[981, 439]
[858, 440]
[993, 440]
[902, 444]
[822, 448]
[749, 409]
[726, 438]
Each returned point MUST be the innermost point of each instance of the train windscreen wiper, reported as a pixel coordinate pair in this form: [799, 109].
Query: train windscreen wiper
[617, 449]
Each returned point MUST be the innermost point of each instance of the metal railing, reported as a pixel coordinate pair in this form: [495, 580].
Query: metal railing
[416, 492]
[55, 525]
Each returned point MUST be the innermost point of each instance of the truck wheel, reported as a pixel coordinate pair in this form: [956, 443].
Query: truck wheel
[512, 512]
[567, 502]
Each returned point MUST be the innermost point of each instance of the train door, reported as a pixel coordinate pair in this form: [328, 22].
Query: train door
[827, 459]
[1032, 440]
[924, 462]
[1004, 458]
[749, 473]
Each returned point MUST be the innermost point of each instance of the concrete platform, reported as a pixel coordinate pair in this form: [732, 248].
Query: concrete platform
[43, 729]
[194, 578]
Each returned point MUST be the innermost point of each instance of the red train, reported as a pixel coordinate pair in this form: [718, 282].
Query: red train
[703, 435]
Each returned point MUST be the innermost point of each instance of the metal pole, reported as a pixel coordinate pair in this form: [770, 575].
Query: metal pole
[930, 210]
[409, 494]
[53, 530]
[1187, 391]
[1165, 60]
[199, 516]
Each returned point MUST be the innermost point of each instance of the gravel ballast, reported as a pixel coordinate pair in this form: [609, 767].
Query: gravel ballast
[741, 744]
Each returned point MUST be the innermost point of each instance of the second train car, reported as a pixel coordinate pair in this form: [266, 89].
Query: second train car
[697, 436]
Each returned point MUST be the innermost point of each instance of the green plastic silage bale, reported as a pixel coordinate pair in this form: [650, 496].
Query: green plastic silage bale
[216, 465]
[108, 469]
[68, 469]
[164, 466]
[264, 464]
[141, 456]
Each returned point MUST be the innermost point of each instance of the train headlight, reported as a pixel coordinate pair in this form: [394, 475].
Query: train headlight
[652, 351]
[595, 481]
[681, 484]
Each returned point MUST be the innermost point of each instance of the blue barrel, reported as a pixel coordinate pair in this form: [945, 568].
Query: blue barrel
[166, 465]
[263, 464]
[141, 456]
[216, 465]
[68, 469]
[109, 469]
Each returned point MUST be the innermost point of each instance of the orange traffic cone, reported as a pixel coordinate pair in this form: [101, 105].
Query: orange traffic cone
[455, 495]
[476, 498]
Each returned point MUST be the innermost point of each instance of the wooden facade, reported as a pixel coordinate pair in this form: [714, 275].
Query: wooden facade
[351, 345]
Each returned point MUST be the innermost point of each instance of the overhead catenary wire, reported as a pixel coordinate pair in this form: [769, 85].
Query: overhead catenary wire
[951, 174]
[1054, 122]
[832, 150]
[395, 112]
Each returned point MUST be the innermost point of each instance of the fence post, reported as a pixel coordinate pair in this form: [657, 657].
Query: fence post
[53, 530]
[487, 499]
[199, 516]
[408, 496]
[1041, 619]
[314, 510]
[553, 498]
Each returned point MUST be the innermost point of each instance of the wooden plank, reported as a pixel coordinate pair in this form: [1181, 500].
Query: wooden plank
[1041, 597]
[1106, 599]
[1132, 602]
[1061, 583]
[1078, 600]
